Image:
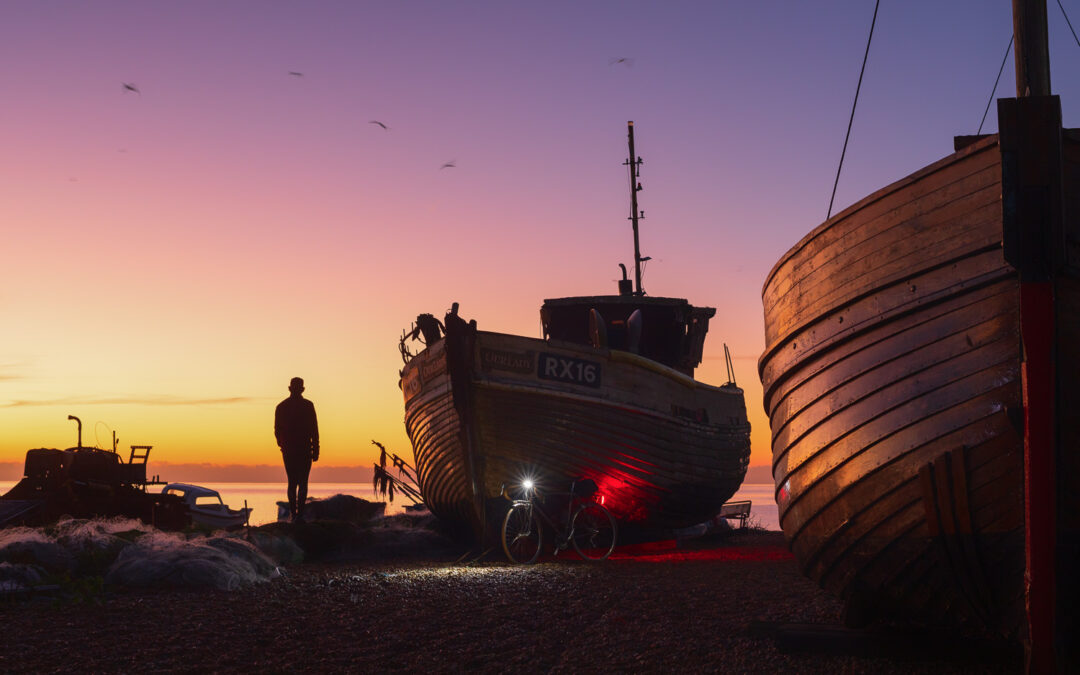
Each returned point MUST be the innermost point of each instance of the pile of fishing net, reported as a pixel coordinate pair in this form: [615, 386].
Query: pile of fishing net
[127, 552]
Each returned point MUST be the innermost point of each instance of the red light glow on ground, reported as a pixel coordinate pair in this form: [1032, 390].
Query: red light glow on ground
[668, 550]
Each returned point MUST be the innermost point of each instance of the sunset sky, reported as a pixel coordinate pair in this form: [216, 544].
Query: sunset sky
[172, 256]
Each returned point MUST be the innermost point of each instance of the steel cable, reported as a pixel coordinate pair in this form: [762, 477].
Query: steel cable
[855, 103]
[994, 90]
[1068, 22]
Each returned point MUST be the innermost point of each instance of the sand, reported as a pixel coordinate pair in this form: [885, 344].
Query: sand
[712, 605]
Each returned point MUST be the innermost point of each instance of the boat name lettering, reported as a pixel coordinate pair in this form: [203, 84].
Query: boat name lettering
[426, 369]
[515, 362]
[568, 369]
[695, 414]
[411, 384]
[433, 368]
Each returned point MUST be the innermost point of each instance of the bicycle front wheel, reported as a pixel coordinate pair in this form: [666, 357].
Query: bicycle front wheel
[593, 532]
[521, 534]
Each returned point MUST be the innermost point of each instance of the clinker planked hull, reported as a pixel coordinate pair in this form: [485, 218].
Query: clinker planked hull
[892, 379]
[486, 409]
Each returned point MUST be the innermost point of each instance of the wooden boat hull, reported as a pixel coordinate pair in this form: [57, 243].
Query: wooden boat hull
[892, 379]
[230, 519]
[486, 409]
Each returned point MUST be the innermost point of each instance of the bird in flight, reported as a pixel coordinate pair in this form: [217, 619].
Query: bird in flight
[620, 59]
[131, 87]
[295, 73]
[449, 165]
[386, 128]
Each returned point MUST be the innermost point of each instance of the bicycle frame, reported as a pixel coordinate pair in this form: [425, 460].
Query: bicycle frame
[535, 501]
[525, 521]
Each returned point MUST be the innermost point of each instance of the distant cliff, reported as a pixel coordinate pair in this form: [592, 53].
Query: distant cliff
[761, 473]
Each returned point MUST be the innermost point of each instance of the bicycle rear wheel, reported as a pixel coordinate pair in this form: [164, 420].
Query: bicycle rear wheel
[594, 532]
[521, 534]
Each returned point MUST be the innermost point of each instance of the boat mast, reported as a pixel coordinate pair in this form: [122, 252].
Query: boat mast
[1031, 51]
[634, 162]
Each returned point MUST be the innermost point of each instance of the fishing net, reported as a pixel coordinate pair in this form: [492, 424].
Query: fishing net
[127, 552]
[164, 559]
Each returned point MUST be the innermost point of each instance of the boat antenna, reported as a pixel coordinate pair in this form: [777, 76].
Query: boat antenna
[634, 162]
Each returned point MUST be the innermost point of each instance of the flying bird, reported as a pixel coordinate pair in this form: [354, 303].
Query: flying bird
[131, 87]
[386, 128]
[620, 59]
[296, 73]
[449, 165]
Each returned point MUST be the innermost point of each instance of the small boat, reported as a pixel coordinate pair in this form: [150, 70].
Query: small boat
[608, 394]
[912, 347]
[207, 508]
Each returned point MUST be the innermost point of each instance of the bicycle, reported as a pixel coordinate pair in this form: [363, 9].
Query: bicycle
[588, 527]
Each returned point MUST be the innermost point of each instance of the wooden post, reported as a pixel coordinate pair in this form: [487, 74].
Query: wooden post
[1032, 220]
[1033, 226]
[1031, 51]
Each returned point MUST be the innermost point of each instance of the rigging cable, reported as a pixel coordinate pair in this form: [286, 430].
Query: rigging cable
[993, 91]
[1008, 50]
[856, 102]
[1068, 22]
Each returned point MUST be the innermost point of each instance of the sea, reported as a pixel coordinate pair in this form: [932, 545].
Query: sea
[263, 498]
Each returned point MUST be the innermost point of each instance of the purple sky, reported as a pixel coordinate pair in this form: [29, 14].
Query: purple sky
[174, 256]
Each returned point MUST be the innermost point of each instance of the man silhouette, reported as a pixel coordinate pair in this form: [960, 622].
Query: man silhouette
[297, 433]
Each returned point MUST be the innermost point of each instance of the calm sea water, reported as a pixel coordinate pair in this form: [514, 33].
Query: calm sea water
[263, 498]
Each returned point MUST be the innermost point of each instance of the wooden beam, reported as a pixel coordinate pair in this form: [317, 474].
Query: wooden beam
[1032, 235]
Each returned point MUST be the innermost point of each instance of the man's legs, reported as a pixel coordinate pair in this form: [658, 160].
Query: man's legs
[292, 496]
[301, 496]
[297, 466]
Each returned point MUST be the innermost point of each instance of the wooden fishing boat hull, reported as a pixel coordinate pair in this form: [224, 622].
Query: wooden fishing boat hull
[486, 409]
[892, 380]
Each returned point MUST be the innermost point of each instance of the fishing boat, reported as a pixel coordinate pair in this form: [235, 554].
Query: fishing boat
[607, 393]
[88, 482]
[912, 347]
[207, 508]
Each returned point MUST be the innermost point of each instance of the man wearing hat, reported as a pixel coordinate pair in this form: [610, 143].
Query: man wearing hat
[297, 433]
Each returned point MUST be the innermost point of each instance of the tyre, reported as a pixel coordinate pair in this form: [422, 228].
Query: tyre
[594, 532]
[521, 534]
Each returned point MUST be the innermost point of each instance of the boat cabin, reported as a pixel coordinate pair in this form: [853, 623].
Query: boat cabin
[667, 330]
[48, 468]
[195, 495]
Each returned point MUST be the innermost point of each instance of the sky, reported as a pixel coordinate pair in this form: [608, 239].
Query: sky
[172, 256]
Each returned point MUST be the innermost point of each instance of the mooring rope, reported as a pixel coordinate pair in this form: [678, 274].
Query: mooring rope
[994, 90]
[855, 103]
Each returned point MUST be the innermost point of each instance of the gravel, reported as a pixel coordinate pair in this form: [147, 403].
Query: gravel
[707, 607]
